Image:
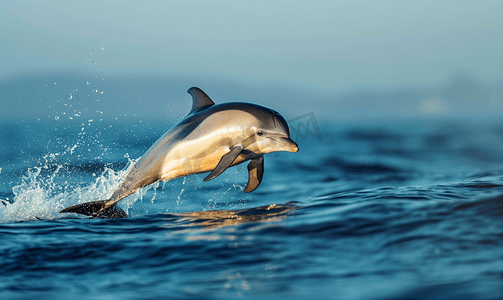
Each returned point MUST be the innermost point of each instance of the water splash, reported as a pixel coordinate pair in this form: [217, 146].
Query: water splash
[42, 194]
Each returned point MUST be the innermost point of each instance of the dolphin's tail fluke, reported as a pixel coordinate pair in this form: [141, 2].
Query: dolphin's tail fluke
[96, 209]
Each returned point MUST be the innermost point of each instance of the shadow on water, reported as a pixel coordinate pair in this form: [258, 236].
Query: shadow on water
[492, 207]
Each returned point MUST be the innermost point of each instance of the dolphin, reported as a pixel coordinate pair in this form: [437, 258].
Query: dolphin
[211, 138]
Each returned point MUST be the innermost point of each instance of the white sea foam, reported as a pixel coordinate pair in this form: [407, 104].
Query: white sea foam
[41, 195]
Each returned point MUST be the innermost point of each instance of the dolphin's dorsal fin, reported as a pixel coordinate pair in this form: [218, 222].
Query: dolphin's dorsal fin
[199, 99]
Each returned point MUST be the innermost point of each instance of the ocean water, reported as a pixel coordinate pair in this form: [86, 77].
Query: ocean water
[396, 209]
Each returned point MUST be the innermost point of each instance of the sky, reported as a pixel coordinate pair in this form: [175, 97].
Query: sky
[321, 45]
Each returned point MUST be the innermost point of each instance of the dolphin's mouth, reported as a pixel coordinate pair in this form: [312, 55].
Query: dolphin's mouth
[288, 143]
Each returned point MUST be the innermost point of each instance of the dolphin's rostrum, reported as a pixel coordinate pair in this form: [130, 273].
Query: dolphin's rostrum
[210, 138]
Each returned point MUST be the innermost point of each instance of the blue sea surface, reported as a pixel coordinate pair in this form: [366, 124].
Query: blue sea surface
[396, 209]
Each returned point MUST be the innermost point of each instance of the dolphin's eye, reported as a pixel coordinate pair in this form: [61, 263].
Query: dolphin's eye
[260, 132]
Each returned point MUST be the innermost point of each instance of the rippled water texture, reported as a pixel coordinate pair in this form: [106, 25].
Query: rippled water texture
[381, 210]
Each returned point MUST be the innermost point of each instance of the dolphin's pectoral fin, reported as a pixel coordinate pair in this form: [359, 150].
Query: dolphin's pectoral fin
[255, 172]
[199, 99]
[96, 209]
[225, 162]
